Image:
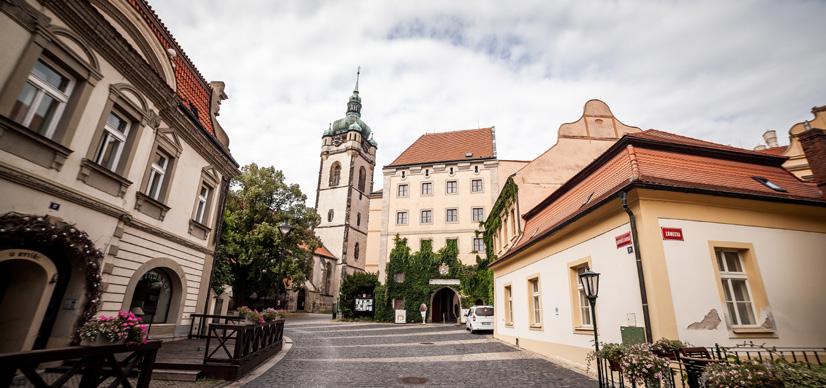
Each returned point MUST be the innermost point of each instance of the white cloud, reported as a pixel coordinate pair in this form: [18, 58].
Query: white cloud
[722, 71]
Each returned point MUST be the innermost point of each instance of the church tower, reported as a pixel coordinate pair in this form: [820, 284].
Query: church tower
[345, 180]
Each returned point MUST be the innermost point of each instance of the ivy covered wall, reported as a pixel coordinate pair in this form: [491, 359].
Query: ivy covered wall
[506, 197]
[409, 274]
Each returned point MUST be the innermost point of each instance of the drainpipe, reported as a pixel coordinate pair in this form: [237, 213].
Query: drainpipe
[222, 200]
[640, 275]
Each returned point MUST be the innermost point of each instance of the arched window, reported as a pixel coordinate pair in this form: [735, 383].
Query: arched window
[330, 215]
[328, 278]
[356, 252]
[358, 219]
[335, 174]
[153, 295]
[362, 178]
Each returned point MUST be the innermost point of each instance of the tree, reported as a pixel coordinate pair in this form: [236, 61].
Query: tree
[254, 257]
[354, 285]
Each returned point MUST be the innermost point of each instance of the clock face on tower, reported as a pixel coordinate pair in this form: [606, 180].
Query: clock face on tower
[337, 140]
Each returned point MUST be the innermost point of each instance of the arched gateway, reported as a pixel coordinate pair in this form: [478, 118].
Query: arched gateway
[42, 260]
[445, 306]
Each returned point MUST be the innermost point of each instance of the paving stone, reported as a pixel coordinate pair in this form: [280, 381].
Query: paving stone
[329, 356]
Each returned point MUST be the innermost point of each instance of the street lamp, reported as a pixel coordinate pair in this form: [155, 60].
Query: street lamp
[590, 284]
[285, 228]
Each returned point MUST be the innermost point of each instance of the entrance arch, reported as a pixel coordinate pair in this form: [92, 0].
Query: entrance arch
[445, 306]
[27, 282]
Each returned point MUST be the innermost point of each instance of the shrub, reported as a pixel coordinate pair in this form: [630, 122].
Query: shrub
[800, 375]
[354, 285]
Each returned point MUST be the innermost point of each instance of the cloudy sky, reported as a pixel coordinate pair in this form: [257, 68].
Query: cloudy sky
[721, 71]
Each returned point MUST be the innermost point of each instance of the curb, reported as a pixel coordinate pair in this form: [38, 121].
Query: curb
[558, 361]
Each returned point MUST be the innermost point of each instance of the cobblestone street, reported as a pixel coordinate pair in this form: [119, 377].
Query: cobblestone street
[326, 353]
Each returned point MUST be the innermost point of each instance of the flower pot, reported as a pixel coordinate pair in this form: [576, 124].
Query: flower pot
[98, 341]
[615, 365]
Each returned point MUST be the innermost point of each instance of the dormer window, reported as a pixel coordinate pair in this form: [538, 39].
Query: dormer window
[769, 184]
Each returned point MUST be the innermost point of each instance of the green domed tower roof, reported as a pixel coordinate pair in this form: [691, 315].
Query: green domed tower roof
[352, 120]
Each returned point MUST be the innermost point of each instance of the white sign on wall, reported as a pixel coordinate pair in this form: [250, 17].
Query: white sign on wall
[364, 304]
[445, 282]
[401, 316]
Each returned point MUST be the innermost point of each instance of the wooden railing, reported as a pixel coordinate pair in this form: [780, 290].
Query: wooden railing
[205, 320]
[244, 345]
[94, 364]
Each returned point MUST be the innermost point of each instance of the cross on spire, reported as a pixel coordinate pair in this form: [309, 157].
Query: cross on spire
[358, 73]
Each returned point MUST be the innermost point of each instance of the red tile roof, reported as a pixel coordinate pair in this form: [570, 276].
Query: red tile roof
[191, 86]
[667, 161]
[779, 150]
[323, 252]
[449, 146]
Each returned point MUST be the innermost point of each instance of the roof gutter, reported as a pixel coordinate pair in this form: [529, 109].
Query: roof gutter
[623, 195]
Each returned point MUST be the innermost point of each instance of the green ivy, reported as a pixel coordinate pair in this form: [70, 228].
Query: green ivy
[353, 285]
[476, 281]
[506, 197]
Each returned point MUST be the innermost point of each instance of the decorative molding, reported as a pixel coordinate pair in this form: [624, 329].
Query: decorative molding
[90, 169]
[150, 206]
[199, 230]
[24, 178]
[34, 147]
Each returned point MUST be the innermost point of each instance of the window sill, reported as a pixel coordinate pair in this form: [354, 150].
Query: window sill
[151, 207]
[102, 178]
[760, 332]
[199, 230]
[536, 327]
[584, 330]
[38, 149]
[509, 324]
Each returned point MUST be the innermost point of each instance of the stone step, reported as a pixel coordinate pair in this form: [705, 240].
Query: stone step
[176, 374]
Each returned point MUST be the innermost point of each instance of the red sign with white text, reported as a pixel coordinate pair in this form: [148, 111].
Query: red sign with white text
[623, 239]
[672, 234]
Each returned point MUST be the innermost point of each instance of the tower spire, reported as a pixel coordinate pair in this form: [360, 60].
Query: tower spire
[358, 73]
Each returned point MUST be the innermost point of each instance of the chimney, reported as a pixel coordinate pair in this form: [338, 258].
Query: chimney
[814, 147]
[770, 137]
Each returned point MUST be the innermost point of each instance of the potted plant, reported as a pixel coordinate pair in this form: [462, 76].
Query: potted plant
[124, 327]
[251, 316]
[609, 352]
[740, 375]
[668, 348]
[642, 366]
[270, 315]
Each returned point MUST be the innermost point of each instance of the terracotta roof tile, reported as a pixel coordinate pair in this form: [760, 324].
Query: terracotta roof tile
[449, 146]
[323, 252]
[779, 150]
[652, 164]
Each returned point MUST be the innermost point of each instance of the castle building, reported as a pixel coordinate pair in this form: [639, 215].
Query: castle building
[113, 171]
[439, 189]
[345, 180]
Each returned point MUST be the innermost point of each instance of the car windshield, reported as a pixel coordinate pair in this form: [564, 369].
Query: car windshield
[484, 311]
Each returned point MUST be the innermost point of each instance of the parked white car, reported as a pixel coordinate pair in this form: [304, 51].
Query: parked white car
[479, 318]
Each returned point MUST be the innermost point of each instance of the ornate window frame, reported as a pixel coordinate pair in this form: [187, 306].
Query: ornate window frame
[166, 141]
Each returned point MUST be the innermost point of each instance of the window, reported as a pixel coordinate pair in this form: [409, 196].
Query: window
[427, 172]
[452, 215]
[452, 187]
[427, 217]
[110, 150]
[478, 244]
[401, 218]
[513, 222]
[157, 173]
[203, 204]
[358, 219]
[452, 242]
[404, 174]
[330, 215]
[362, 178]
[426, 244]
[476, 186]
[356, 251]
[335, 174]
[398, 304]
[478, 214]
[403, 191]
[153, 294]
[735, 287]
[476, 169]
[451, 171]
[427, 188]
[508, 306]
[535, 304]
[769, 184]
[584, 304]
[40, 104]
[328, 278]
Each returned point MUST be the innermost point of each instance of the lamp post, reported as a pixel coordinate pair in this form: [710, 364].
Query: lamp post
[285, 229]
[590, 284]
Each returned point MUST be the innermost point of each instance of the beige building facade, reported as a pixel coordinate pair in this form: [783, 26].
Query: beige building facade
[441, 188]
[695, 241]
[798, 163]
[109, 138]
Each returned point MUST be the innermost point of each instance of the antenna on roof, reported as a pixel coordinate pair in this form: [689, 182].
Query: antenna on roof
[358, 73]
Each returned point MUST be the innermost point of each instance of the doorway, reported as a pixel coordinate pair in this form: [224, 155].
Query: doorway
[27, 282]
[445, 306]
[301, 300]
